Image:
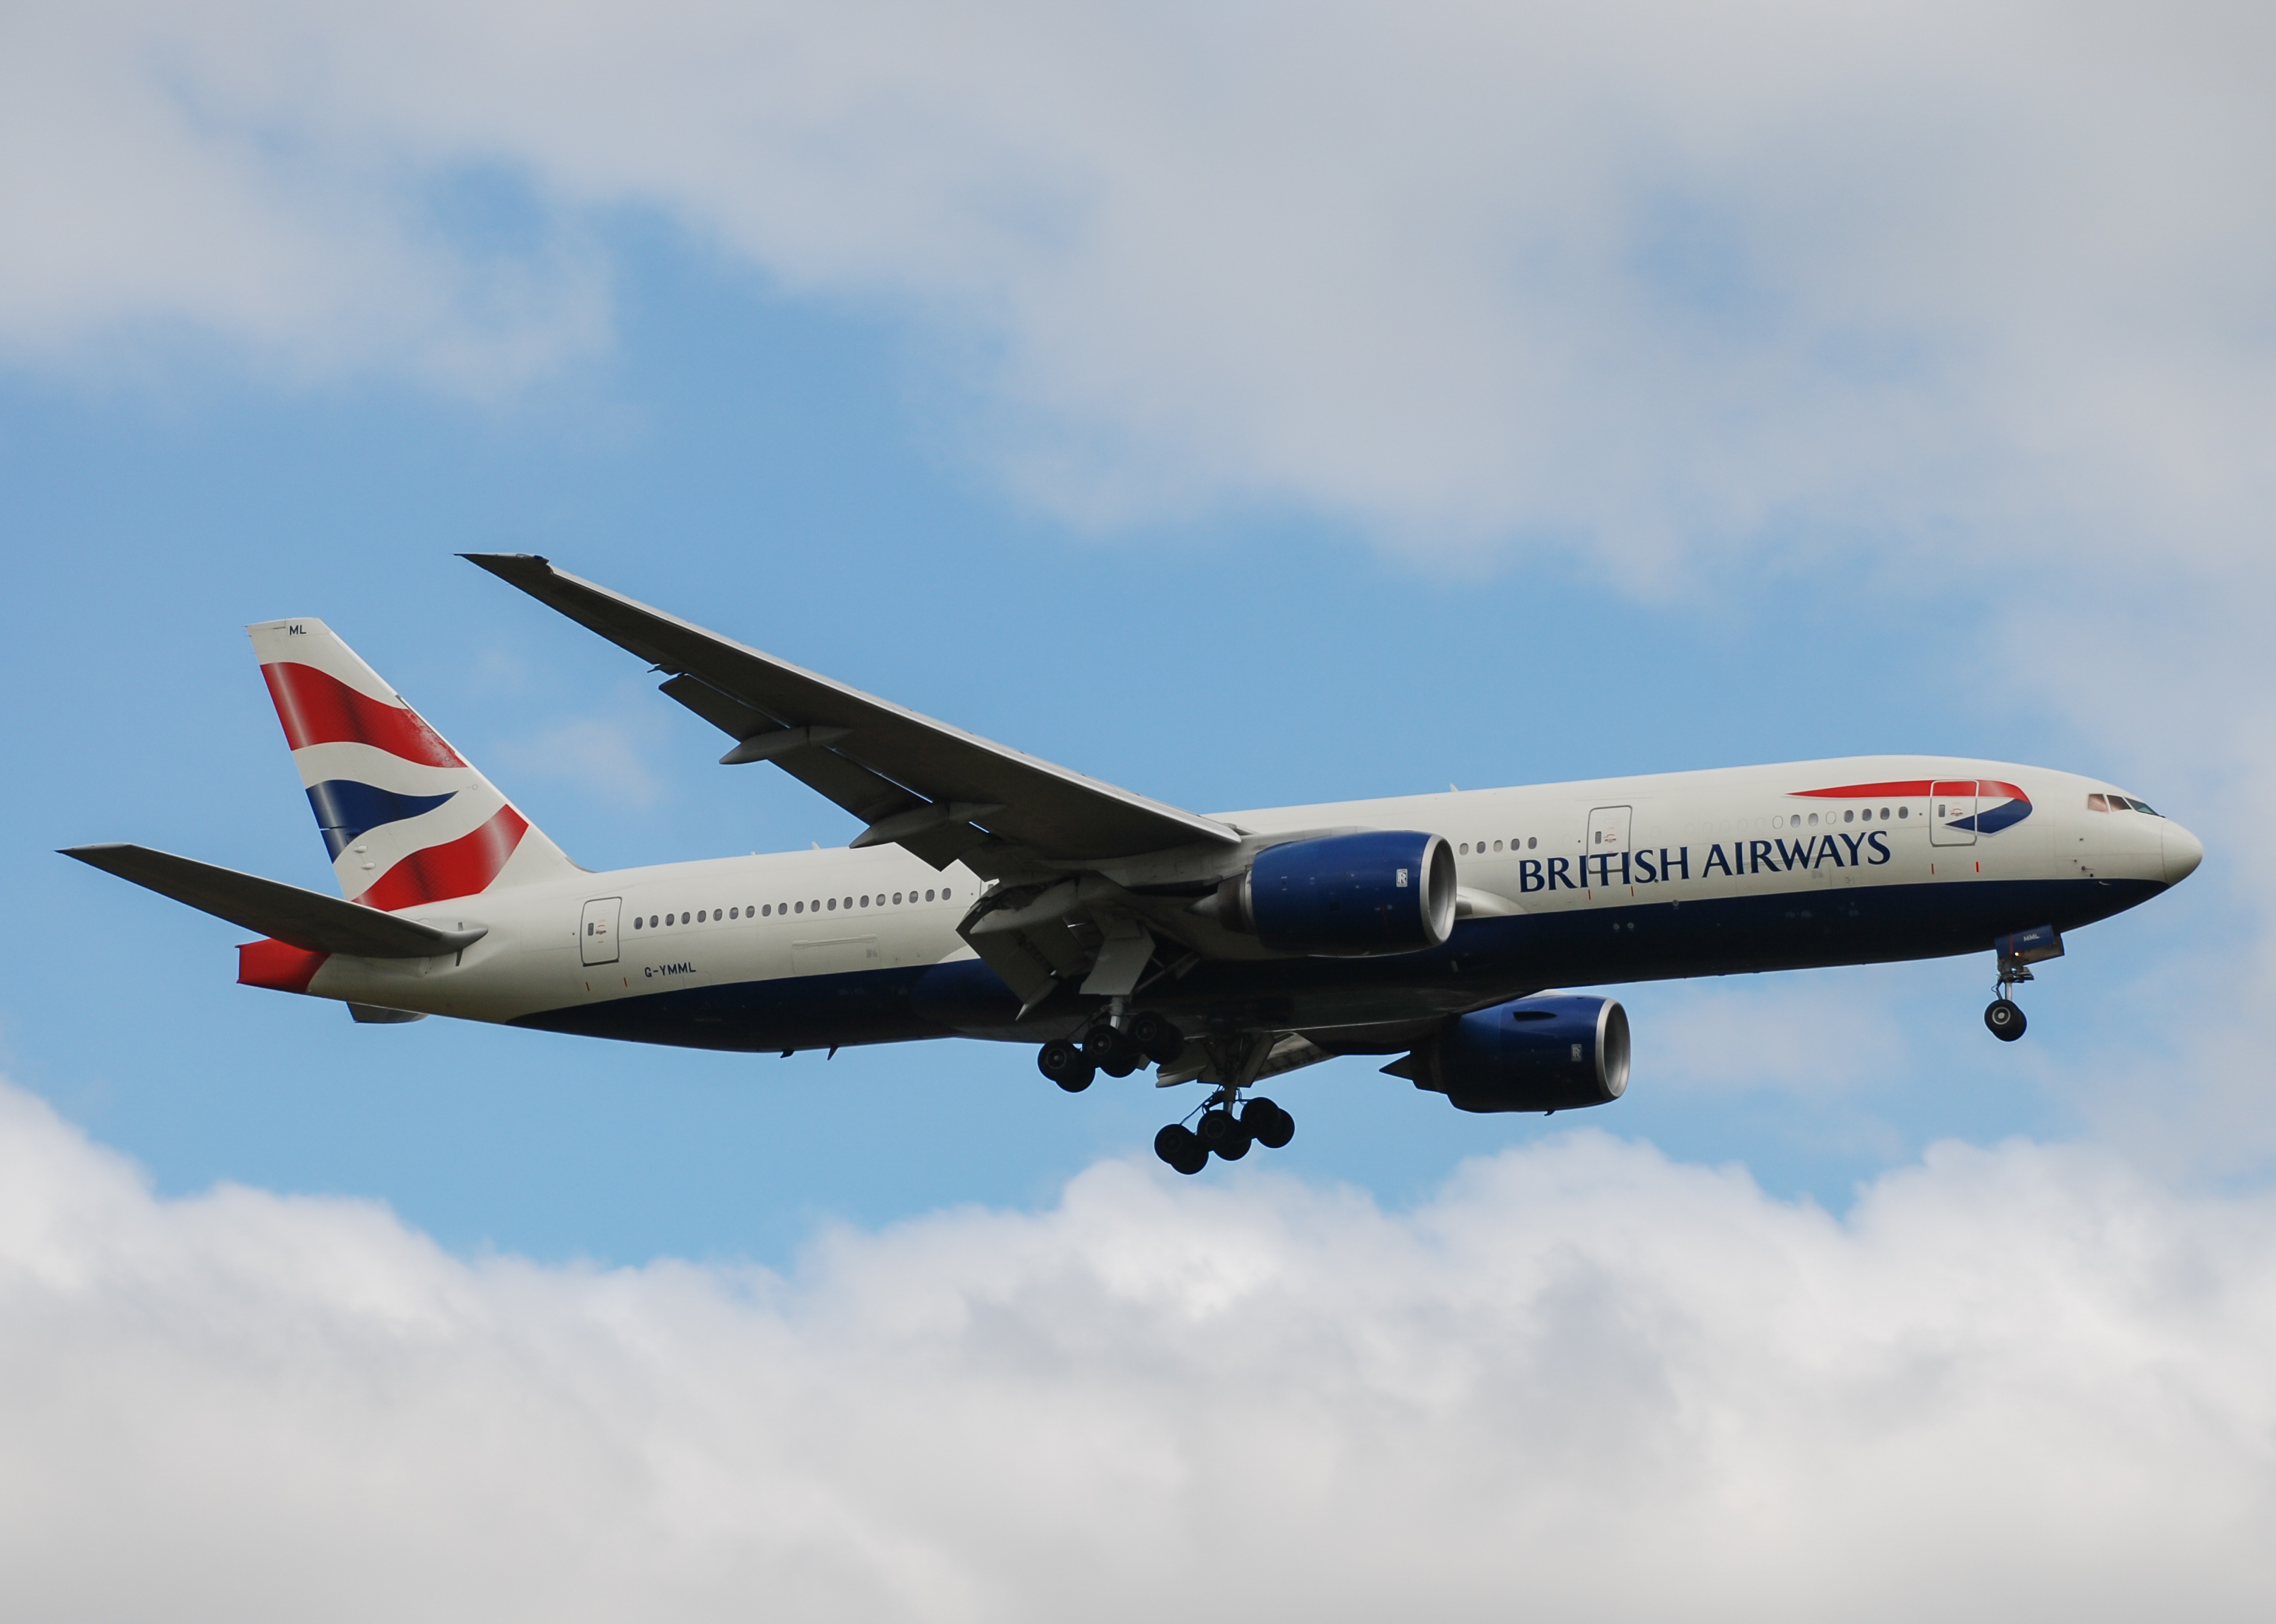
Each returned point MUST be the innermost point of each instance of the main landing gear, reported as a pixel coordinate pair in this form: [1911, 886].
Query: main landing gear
[1117, 1051]
[1223, 1133]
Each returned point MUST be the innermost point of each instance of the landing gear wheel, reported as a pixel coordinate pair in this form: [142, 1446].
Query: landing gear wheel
[1176, 1145]
[1156, 1039]
[1220, 1132]
[2005, 1019]
[1066, 1064]
[1111, 1050]
[1267, 1124]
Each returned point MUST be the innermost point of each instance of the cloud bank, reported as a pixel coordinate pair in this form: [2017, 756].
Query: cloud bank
[1581, 1382]
[1645, 278]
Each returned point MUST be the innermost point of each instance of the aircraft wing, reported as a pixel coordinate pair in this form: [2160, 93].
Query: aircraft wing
[306, 919]
[915, 782]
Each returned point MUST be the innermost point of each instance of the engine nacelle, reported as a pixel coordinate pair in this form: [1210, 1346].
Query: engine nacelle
[1379, 891]
[1557, 1053]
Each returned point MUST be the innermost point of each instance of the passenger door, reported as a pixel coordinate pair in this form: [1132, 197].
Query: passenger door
[1952, 813]
[1604, 856]
[597, 938]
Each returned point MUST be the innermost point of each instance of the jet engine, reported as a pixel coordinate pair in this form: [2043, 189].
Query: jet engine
[1343, 895]
[1554, 1053]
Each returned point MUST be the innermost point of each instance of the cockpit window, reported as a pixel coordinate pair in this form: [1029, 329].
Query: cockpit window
[2097, 803]
[2143, 806]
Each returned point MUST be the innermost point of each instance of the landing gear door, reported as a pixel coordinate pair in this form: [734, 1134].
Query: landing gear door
[596, 935]
[1952, 813]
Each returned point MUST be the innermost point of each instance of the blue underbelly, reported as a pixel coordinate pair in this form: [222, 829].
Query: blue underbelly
[1486, 960]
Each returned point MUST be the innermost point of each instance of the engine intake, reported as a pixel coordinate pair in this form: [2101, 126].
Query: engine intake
[1557, 1053]
[1337, 896]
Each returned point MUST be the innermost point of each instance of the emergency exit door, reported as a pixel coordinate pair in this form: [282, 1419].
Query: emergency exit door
[598, 937]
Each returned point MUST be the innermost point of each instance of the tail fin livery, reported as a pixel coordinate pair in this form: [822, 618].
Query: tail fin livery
[406, 820]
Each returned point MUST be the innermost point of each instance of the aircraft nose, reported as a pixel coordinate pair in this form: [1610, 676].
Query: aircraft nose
[2183, 853]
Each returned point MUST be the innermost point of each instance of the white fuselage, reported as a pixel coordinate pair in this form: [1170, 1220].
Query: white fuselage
[758, 939]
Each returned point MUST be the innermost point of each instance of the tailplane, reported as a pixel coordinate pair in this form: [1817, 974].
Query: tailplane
[407, 821]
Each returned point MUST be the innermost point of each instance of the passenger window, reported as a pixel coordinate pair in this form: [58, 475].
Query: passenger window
[1885, 814]
[767, 910]
[651, 921]
[2097, 803]
[1849, 814]
[1531, 841]
[636, 922]
[896, 899]
[1813, 820]
[802, 908]
[927, 896]
[1904, 811]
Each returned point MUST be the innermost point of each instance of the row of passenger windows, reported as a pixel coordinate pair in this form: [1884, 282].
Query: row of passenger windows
[1515, 846]
[767, 910]
[1849, 816]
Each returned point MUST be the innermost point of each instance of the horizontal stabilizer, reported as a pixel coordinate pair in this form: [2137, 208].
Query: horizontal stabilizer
[308, 919]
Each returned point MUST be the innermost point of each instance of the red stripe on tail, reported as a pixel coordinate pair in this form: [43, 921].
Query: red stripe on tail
[317, 708]
[457, 869]
[278, 965]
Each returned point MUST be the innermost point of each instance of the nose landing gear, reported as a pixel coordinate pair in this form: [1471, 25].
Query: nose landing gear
[2016, 954]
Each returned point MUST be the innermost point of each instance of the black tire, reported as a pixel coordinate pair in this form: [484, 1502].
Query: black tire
[1121, 1056]
[2005, 1019]
[1223, 1135]
[1176, 1145]
[1156, 1039]
[1267, 1125]
[1065, 1064]
[1098, 1038]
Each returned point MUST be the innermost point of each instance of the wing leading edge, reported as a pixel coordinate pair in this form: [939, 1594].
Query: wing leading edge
[915, 782]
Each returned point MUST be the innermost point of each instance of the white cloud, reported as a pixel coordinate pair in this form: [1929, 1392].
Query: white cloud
[1581, 1382]
[1643, 277]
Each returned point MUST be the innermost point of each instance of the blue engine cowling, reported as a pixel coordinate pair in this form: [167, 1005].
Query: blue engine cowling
[1380, 892]
[1557, 1053]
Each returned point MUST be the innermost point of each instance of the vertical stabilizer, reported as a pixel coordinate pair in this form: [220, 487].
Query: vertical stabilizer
[406, 820]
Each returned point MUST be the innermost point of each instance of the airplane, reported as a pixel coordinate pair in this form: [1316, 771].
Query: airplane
[993, 895]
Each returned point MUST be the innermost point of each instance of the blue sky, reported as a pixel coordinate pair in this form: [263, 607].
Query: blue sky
[1248, 407]
[765, 464]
